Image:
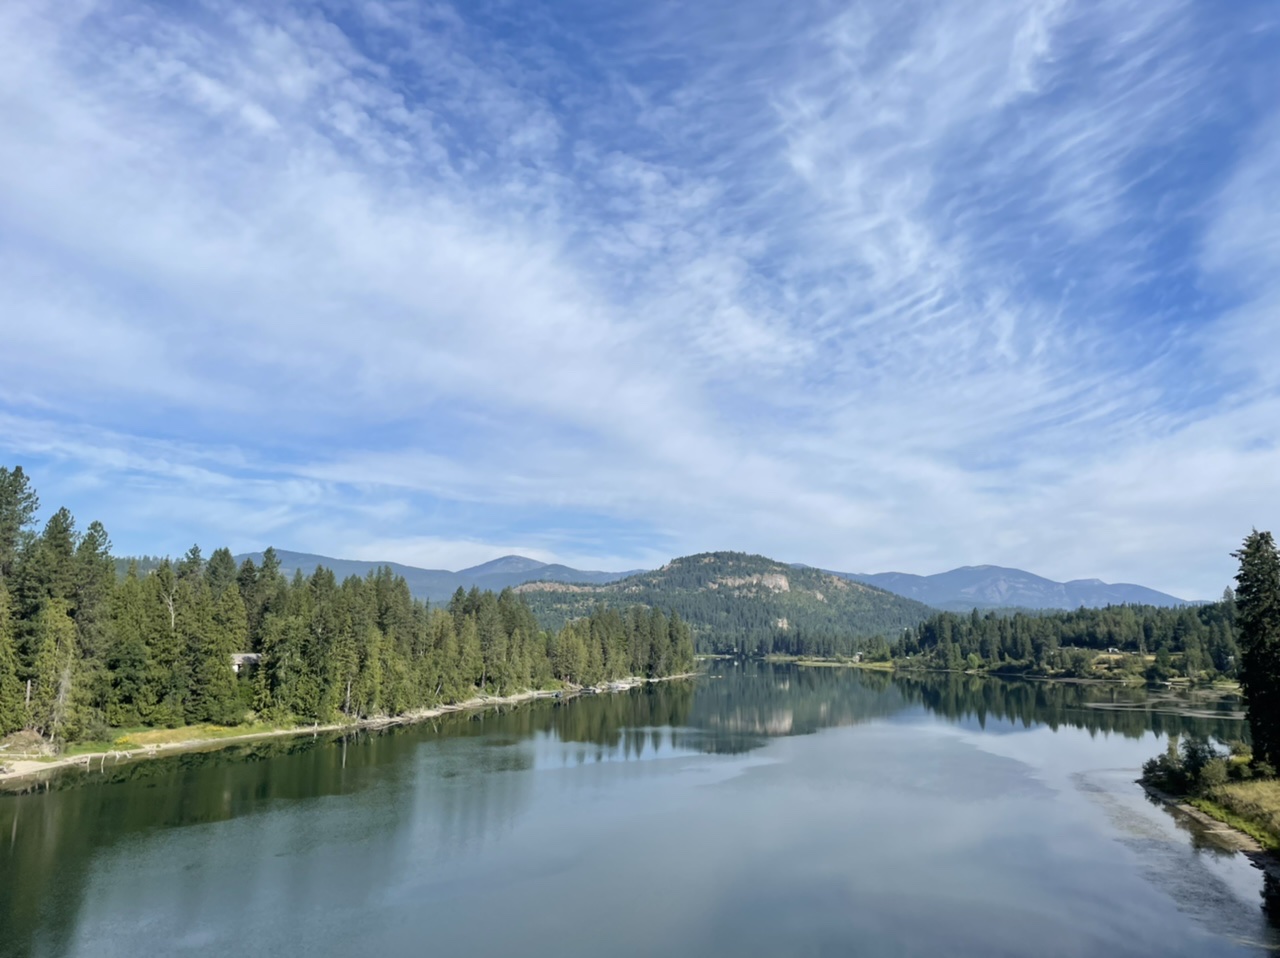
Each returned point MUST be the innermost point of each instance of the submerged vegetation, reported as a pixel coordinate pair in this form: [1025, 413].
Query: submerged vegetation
[85, 654]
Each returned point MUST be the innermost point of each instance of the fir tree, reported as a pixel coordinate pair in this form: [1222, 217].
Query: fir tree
[12, 700]
[56, 659]
[1257, 610]
[213, 681]
[18, 505]
[132, 693]
[220, 572]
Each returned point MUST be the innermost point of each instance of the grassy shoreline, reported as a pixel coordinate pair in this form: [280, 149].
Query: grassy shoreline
[157, 743]
[832, 663]
[1253, 829]
[1233, 821]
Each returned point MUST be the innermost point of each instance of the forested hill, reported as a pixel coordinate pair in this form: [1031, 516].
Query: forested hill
[743, 602]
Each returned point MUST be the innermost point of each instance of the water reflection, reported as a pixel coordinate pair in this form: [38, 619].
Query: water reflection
[445, 790]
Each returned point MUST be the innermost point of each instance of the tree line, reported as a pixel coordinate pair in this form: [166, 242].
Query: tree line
[1204, 639]
[84, 650]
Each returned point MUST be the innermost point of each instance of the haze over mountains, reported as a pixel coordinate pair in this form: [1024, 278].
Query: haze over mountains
[993, 587]
[983, 586]
[437, 585]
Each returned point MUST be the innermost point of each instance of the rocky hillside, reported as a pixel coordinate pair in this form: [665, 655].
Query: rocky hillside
[743, 602]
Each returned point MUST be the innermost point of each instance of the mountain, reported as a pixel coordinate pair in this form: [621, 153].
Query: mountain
[516, 570]
[437, 585]
[981, 586]
[738, 601]
[990, 586]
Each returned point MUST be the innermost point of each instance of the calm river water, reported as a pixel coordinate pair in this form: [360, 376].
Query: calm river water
[757, 811]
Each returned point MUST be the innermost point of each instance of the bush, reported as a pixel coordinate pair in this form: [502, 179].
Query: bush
[1193, 769]
[1213, 774]
[1240, 771]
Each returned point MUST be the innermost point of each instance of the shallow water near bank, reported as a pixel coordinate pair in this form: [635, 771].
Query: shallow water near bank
[759, 810]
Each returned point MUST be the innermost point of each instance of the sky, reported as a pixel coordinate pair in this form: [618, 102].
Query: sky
[870, 286]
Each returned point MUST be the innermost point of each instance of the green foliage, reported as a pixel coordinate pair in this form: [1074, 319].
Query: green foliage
[155, 647]
[12, 705]
[18, 504]
[747, 604]
[1067, 643]
[54, 668]
[1257, 609]
[1194, 769]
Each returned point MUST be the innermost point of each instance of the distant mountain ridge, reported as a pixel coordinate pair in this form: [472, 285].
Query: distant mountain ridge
[959, 590]
[991, 587]
[437, 585]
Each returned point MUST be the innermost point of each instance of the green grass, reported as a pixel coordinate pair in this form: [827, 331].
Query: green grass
[186, 733]
[85, 748]
[1251, 828]
[1254, 808]
[835, 662]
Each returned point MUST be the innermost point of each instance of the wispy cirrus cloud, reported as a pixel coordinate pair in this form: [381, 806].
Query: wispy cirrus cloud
[860, 286]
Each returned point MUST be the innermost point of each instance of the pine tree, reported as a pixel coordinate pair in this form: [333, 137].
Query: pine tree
[442, 672]
[12, 703]
[95, 580]
[213, 681]
[165, 646]
[261, 589]
[133, 692]
[470, 665]
[191, 565]
[493, 644]
[367, 689]
[220, 572]
[18, 505]
[56, 659]
[1258, 615]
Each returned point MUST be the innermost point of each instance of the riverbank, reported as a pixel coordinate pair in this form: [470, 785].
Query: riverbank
[906, 667]
[27, 769]
[834, 663]
[1224, 828]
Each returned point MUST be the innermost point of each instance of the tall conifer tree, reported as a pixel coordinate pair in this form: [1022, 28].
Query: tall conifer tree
[18, 505]
[1258, 615]
[55, 665]
[12, 710]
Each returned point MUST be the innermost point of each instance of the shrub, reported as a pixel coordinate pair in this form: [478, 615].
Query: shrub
[1213, 774]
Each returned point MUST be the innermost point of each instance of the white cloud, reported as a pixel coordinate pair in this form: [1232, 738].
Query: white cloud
[854, 291]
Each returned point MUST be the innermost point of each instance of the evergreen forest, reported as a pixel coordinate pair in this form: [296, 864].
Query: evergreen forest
[85, 651]
[1152, 642]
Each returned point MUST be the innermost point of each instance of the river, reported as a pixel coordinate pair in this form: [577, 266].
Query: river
[759, 810]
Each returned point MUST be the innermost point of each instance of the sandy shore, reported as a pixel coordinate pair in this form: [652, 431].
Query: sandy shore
[33, 769]
[1219, 832]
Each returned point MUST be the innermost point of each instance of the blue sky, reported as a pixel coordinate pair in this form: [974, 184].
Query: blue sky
[869, 286]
